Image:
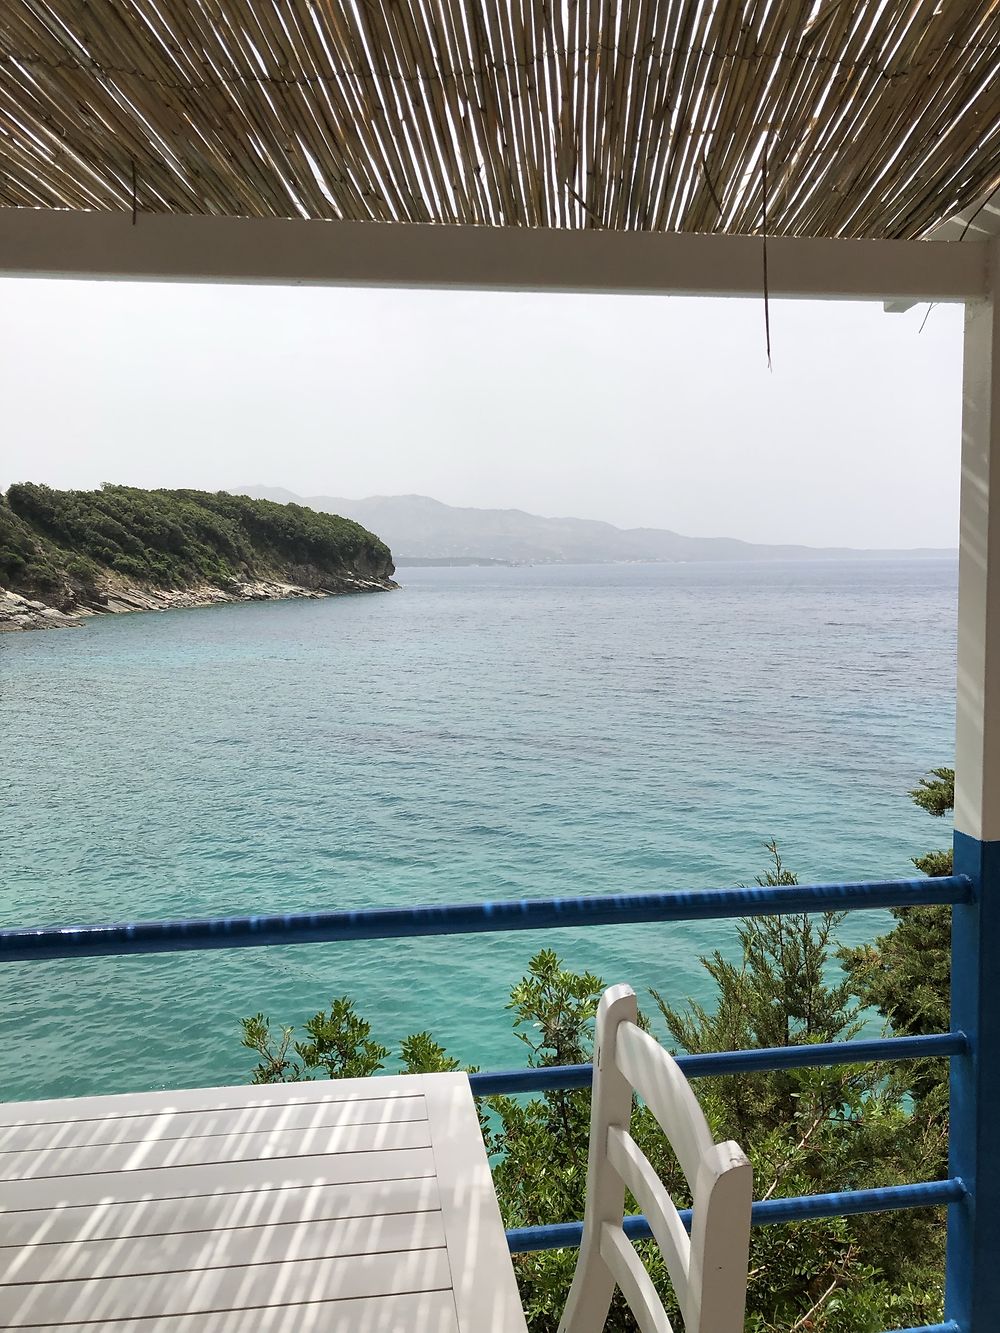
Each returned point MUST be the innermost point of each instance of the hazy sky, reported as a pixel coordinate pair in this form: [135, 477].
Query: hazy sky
[639, 410]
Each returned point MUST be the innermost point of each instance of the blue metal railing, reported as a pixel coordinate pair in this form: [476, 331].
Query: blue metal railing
[550, 1078]
[252, 932]
[60, 942]
[803, 1208]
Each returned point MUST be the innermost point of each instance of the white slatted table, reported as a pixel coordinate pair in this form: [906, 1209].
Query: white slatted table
[354, 1206]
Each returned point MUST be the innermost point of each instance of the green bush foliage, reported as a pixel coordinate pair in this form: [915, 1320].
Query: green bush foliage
[339, 1045]
[171, 539]
[806, 1131]
[25, 563]
[906, 974]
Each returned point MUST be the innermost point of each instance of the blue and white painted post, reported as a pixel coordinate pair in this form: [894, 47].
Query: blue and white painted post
[972, 1291]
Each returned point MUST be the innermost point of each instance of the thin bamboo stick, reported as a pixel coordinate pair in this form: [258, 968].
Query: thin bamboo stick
[881, 120]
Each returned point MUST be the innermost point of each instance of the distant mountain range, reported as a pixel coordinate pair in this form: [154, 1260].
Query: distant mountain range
[417, 528]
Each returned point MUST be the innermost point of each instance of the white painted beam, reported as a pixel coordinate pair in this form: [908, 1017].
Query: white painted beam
[977, 745]
[174, 247]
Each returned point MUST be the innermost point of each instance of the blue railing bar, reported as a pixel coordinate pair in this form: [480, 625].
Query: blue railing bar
[803, 1208]
[567, 1235]
[550, 1078]
[236, 932]
[949, 1327]
[847, 1203]
[565, 1077]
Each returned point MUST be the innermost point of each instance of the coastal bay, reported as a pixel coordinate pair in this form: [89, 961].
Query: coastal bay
[487, 733]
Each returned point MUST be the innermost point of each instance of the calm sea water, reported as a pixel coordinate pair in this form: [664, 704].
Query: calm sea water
[484, 733]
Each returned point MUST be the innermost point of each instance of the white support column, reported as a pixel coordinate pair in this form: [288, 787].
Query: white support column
[977, 742]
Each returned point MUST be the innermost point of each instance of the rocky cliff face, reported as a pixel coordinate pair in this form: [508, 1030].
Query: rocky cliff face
[18, 612]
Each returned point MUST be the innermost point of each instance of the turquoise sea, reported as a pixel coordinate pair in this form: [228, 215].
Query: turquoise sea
[483, 733]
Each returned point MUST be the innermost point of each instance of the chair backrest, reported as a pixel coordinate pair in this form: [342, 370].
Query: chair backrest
[708, 1269]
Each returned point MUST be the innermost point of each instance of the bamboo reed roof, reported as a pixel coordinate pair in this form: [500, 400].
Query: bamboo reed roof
[865, 118]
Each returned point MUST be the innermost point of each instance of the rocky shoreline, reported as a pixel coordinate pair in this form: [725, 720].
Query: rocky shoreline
[23, 613]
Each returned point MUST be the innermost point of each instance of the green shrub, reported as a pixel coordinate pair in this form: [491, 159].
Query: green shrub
[172, 539]
[806, 1131]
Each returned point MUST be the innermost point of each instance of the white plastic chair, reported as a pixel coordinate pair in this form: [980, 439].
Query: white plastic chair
[708, 1269]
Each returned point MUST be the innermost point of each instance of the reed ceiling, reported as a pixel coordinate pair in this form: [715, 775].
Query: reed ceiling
[872, 119]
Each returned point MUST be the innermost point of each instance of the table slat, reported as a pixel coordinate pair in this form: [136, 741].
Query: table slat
[161, 1294]
[216, 1178]
[159, 1217]
[230, 1248]
[113, 1105]
[211, 1148]
[191, 1124]
[416, 1312]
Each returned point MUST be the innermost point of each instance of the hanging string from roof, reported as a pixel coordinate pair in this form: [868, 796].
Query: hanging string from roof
[767, 296]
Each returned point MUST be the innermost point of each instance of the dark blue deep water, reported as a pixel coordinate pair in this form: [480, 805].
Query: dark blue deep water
[483, 733]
